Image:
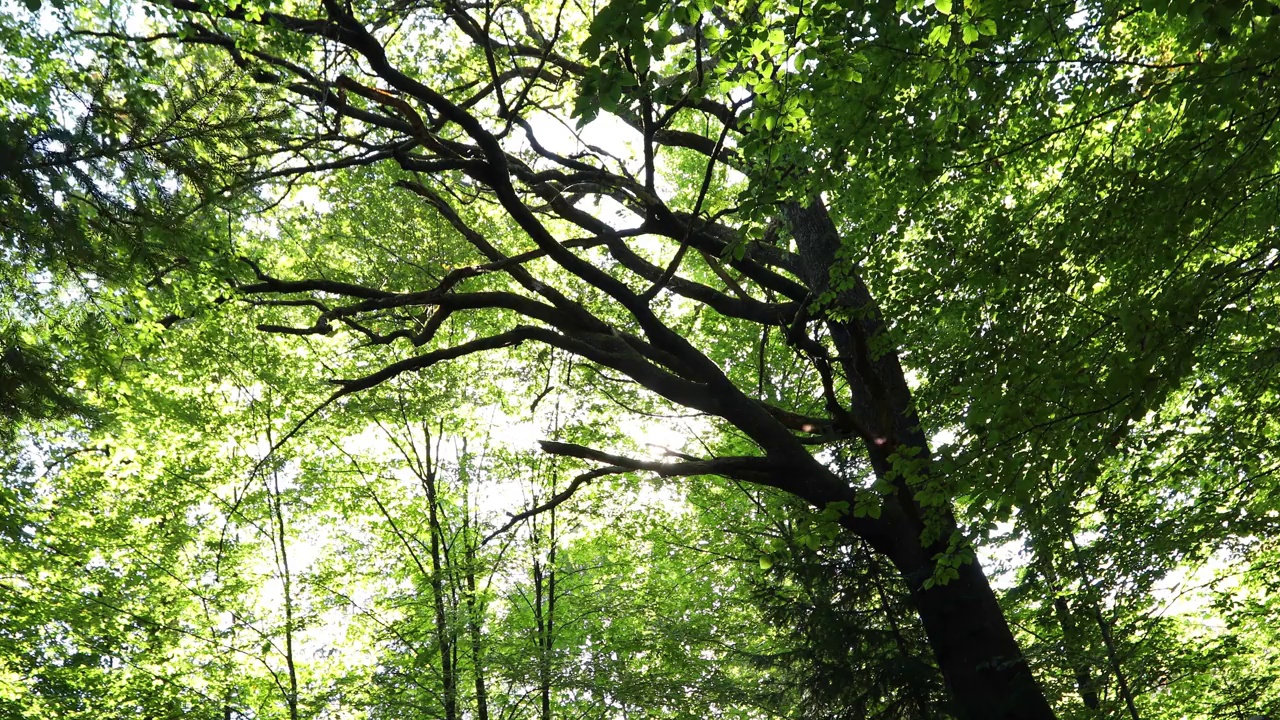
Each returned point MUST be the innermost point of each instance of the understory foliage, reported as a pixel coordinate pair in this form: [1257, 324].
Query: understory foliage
[642, 358]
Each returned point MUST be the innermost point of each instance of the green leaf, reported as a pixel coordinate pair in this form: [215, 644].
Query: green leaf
[1042, 290]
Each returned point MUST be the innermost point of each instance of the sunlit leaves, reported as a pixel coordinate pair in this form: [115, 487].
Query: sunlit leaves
[1066, 214]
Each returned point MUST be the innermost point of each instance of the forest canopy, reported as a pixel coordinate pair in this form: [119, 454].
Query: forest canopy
[472, 359]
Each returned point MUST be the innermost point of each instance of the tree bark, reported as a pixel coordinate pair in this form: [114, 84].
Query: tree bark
[980, 660]
[474, 606]
[439, 557]
[1073, 641]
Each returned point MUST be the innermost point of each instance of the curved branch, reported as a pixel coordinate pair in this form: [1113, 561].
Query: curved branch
[556, 500]
[754, 469]
[510, 338]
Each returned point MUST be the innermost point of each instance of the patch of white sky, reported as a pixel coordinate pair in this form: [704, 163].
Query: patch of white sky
[651, 439]
[1188, 591]
[615, 138]
[495, 497]
[1185, 592]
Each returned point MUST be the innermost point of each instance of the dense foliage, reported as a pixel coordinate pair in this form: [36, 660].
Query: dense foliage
[540, 359]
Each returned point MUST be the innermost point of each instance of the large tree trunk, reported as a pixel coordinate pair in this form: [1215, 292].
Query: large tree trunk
[983, 666]
[980, 660]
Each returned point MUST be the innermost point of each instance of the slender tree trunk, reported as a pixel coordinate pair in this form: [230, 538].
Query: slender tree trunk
[1072, 639]
[477, 648]
[449, 679]
[474, 607]
[1075, 653]
[286, 582]
[1108, 640]
[1122, 680]
[549, 638]
[544, 583]
[540, 624]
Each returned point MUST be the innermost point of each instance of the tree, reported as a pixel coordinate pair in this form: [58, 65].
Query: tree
[617, 327]
[973, 170]
[855, 651]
